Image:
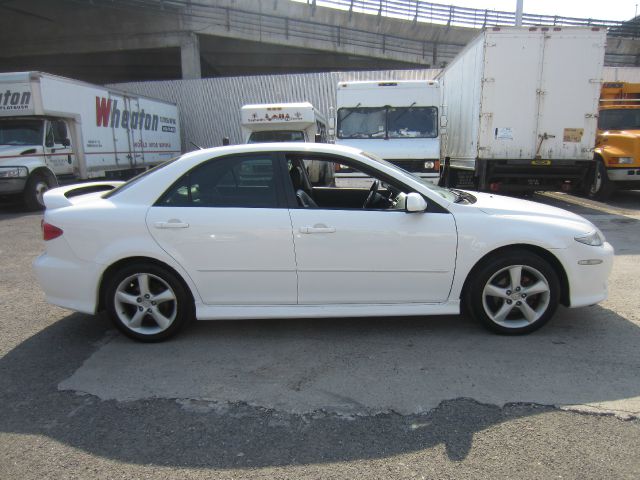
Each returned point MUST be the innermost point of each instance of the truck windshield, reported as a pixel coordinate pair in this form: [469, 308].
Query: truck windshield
[21, 132]
[276, 136]
[388, 122]
[619, 119]
[361, 122]
[412, 122]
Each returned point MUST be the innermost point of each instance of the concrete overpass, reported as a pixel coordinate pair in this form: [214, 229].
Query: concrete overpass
[132, 40]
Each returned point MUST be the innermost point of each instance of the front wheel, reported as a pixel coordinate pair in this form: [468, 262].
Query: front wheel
[37, 185]
[515, 293]
[147, 302]
[600, 187]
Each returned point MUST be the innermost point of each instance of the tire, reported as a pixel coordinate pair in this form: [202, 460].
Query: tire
[37, 184]
[600, 187]
[495, 297]
[147, 302]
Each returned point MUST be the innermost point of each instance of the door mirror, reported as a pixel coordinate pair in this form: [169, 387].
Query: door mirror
[66, 142]
[415, 203]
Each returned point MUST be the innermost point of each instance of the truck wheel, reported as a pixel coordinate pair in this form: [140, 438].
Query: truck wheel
[37, 185]
[600, 187]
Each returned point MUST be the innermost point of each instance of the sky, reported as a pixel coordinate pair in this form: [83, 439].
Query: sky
[601, 9]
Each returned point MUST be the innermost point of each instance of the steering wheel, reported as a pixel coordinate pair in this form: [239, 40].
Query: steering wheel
[372, 194]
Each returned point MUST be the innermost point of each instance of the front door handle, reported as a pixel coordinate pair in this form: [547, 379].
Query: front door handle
[318, 228]
[171, 224]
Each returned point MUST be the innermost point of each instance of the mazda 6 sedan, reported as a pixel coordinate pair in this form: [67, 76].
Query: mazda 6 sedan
[241, 232]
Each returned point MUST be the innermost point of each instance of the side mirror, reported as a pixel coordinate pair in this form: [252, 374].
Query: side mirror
[318, 138]
[225, 141]
[66, 142]
[415, 203]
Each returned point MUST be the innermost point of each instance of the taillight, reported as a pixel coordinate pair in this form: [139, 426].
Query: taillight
[49, 232]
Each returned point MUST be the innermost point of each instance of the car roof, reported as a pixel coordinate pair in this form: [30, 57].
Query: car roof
[301, 147]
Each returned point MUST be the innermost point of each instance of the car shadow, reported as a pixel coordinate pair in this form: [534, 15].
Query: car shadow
[65, 381]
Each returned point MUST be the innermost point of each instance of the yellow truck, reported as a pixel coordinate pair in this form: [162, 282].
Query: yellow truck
[617, 150]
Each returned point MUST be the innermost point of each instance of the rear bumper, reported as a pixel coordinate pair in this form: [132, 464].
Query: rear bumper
[71, 283]
[528, 174]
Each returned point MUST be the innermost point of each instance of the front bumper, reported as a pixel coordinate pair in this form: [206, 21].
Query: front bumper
[624, 174]
[587, 283]
[11, 186]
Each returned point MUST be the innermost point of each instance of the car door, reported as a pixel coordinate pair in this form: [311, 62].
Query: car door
[370, 256]
[225, 222]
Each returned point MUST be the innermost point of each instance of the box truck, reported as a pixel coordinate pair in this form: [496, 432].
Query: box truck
[54, 129]
[396, 120]
[288, 122]
[520, 108]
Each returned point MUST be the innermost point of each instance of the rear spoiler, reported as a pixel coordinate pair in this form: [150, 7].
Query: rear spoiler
[70, 194]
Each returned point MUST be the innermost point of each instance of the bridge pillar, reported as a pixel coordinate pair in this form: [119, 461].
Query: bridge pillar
[190, 57]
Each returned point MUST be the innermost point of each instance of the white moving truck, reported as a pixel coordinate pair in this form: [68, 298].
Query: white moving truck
[288, 122]
[396, 120]
[521, 108]
[54, 129]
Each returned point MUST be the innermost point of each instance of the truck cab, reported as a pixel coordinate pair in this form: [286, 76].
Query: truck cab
[617, 151]
[34, 152]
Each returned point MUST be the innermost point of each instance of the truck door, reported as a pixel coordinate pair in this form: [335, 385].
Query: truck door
[509, 84]
[59, 153]
[568, 97]
[136, 144]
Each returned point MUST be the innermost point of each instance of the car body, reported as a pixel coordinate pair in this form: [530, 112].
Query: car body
[239, 232]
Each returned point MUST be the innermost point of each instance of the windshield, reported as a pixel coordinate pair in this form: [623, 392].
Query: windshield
[361, 122]
[276, 136]
[21, 132]
[412, 122]
[388, 122]
[619, 119]
[443, 192]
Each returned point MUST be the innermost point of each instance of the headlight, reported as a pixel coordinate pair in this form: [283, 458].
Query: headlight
[595, 239]
[13, 172]
[429, 164]
[624, 160]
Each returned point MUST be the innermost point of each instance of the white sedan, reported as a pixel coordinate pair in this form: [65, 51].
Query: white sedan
[240, 232]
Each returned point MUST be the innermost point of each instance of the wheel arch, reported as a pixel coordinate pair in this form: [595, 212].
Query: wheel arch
[47, 172]
[114, 267]
[539, 251]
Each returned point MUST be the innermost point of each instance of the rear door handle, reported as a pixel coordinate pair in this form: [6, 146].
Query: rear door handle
[317, 229]
[171, 224]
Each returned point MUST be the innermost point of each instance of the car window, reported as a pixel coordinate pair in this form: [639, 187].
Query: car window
[320, 182]
[226, 182]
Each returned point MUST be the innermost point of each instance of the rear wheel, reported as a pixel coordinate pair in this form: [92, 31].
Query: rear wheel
[515, 293]
[147, 302]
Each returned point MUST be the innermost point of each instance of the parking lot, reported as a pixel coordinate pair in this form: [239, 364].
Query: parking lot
[414, 397]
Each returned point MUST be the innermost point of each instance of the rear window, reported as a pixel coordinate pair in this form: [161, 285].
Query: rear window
[137, 178]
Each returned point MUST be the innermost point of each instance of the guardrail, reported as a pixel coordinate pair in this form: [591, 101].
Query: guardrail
[427, 12]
